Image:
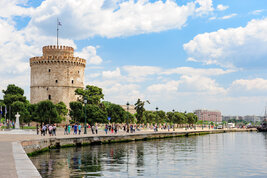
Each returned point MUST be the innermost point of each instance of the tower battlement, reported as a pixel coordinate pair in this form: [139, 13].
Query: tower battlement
[57, 59]
[54, 50]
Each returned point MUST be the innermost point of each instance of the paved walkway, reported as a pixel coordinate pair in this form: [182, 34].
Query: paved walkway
[60, 134]
[7, 162]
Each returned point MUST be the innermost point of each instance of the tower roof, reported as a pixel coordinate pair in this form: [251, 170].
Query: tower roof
[58, 50]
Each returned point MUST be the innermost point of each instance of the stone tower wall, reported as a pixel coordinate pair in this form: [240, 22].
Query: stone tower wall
[56, 75]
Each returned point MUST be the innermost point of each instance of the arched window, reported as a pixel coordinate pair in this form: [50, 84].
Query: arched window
[72, 81]
[56, 81]
[49, 97]
[49, 70]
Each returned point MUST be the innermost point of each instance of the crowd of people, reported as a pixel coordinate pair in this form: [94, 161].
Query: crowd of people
[76, 129]
[48, 128]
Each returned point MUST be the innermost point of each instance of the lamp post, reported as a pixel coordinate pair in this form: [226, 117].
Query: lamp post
[157, 118]
[85, 102]
[173, 122]
[127, 104]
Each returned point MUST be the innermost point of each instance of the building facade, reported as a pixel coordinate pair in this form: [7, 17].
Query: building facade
[207, 115]
[56, 75]
[130, 109]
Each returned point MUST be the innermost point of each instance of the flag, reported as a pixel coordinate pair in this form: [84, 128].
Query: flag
[59, 23]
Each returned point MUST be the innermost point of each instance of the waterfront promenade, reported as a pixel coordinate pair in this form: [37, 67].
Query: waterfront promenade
[15, 162]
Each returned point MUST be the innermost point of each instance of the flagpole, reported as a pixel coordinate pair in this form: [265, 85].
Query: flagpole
[57, 32]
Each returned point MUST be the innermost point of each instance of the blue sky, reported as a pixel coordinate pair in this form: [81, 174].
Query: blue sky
[178, 54]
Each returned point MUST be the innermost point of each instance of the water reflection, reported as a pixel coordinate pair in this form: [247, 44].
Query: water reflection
[215, 155]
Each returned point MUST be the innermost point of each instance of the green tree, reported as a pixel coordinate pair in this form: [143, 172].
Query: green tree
[32, 109]
[179, 118]
[47, 113]
[130, 117]
[2, 106]
[170, 117]
[191, 118]
[139, 107]
[61, 110]
[92, 93]
[161, 116]
[116, 113]
[76, 111]
[21, 108]
[95, 114]
[12, 94]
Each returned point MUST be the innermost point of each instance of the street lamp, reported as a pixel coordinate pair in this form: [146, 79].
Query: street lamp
[173, 122]
[85, 102]
[127, 116]
[157, 118]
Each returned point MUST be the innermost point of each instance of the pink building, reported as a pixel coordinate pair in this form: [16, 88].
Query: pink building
[206, 115]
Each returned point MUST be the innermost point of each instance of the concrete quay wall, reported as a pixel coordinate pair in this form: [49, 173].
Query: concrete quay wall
[32, 147]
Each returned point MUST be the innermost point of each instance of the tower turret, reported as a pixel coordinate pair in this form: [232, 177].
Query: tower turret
[56, 75]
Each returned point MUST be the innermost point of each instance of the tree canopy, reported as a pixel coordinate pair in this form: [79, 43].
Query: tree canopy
[12, 94]
[93, 94]
[47, 113]
[139, 107]
[116, 113]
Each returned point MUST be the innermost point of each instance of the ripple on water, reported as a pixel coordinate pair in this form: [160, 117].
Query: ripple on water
[214, 155]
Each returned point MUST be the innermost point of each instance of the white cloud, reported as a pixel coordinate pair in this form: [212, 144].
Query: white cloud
[190, 59]
[112, 74]
[257, 12]
[197, 71]
[141, 71]
[223, 17]
[204, 84]
[171, 86]
[240, 47]
[89, 53]
[252, 84]
[221, 7]
[10, 8]
[205, 7]
[114, 18]
[119, 93]
[228, 16]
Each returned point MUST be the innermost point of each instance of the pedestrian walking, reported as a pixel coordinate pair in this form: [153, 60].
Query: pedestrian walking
[69, 127]
[106, 129]
[50, 129]
[93, 128]
[66, 130]
[80, 129]
[96, 129]
[37, 129]
[115, 129]
[75, 129]
[44, 130]
[54, 130]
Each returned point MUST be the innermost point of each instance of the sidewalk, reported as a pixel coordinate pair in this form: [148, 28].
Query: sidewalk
[7, 162]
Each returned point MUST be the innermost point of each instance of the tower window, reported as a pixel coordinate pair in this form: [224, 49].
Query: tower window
[49, 70]
[72, 81]
[78, 72]
[46, 88]
[49, 97]
[56, 81]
